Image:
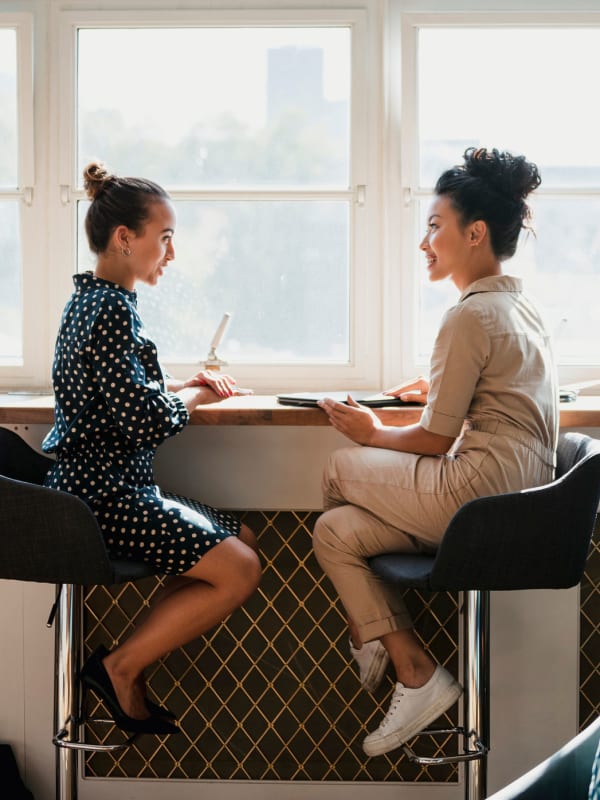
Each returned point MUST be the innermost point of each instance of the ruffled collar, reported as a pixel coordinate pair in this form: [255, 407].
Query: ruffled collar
[87, 280]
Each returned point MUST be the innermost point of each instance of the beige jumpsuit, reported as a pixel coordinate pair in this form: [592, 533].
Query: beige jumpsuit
[493, 386]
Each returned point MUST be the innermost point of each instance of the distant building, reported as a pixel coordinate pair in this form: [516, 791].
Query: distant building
[295, 84]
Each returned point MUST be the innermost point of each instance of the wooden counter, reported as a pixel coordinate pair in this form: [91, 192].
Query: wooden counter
[33, 409]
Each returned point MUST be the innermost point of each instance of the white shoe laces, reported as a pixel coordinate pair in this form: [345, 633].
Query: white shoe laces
[395, 702]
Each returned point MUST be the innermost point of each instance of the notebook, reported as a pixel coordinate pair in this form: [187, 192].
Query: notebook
[310, 399]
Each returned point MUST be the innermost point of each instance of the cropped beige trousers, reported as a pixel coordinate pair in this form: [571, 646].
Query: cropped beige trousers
[381, 501]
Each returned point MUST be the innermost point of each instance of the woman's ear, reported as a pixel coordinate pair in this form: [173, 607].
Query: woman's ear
[478, 232]
[121, 238]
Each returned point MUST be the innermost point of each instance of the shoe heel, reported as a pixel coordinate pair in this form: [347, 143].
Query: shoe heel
[94, 676]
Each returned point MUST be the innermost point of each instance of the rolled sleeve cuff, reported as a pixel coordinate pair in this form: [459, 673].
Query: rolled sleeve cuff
[442, 424]
[181, 417]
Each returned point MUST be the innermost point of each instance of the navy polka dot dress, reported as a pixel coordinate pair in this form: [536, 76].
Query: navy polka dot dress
[111, 413]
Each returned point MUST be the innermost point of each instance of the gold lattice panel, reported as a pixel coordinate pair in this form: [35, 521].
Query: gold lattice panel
[271, 694]
[589, 653]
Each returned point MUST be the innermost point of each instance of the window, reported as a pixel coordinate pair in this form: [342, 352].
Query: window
[256, 131]
[15, 186]
[538, 106]
[300, 145]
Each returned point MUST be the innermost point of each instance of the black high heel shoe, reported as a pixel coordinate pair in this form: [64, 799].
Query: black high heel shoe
[159, 711]
[94, 676]
[154, 709]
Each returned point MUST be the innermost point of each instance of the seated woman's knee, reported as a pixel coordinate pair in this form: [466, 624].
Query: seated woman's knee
[324, 535]
[248, 537]
[246, 570]
[334, 471]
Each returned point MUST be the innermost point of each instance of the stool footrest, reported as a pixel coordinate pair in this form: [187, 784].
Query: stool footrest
[61, 739]
[479, 750]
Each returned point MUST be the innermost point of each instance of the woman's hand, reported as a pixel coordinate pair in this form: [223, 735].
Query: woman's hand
[362, 426]
[206, 386]
[415, 391]
[353, 420]
[221, 385]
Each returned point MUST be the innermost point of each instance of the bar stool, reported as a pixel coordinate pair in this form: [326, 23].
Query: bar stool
[565, 774]
[534, 539]
[52, 537]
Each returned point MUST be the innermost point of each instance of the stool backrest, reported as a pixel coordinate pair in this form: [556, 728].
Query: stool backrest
[45, 535]
[19, 461]
[535, 539]
[566, 774]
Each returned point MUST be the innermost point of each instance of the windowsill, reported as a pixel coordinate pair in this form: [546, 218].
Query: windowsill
[265, 410]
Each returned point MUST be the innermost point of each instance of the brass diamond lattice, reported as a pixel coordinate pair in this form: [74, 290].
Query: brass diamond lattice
[589, 642]
[271, 693]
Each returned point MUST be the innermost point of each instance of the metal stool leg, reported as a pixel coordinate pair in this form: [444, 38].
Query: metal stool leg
[68, 710]
[475, 730]
[476, 621]
[66, 707]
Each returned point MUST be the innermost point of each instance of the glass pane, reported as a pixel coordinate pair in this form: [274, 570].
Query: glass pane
[217, 106]
[280, 268]
[539, 105]
[11, 340]
[8, 103]
[561, 269]
[433, 298]
[563, 253]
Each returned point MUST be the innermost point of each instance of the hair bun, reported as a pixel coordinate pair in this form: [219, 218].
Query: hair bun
[95, 178]
[511, 176]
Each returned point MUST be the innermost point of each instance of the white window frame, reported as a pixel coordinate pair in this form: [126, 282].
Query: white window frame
[30, 372]
[383, 252]
[403, 81]
[364, 367]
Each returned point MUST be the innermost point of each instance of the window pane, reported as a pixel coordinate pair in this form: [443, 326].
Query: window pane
[561, 267]
[539, 105]
[563, 253]
[217, 106]
[433, 298]
[280, 268]
[543, 111]
[11, 343]
[8, 105]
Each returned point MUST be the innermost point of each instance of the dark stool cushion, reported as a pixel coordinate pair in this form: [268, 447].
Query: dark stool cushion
[535, 539]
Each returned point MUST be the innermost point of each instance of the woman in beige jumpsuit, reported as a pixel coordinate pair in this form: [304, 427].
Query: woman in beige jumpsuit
[489, 425]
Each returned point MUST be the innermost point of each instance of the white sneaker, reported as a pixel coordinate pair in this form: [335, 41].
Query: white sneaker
[372, 660]
[411, 710]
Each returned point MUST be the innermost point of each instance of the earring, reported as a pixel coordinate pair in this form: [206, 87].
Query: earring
[125, 251]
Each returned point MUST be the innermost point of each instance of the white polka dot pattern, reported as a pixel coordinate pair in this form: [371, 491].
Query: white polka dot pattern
[111, 412]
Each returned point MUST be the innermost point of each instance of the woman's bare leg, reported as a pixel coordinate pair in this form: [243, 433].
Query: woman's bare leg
[204, 596]
[176, 582]
[413, 665]
[357, 642]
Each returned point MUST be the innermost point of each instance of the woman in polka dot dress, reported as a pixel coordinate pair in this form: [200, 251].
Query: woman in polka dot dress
[113, 408]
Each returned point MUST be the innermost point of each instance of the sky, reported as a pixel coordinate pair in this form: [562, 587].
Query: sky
[534, 92]
[218, 69]
[8, 49]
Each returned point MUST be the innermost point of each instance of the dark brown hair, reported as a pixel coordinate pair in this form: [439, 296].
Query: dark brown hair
[116, 201]
[492, 186]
